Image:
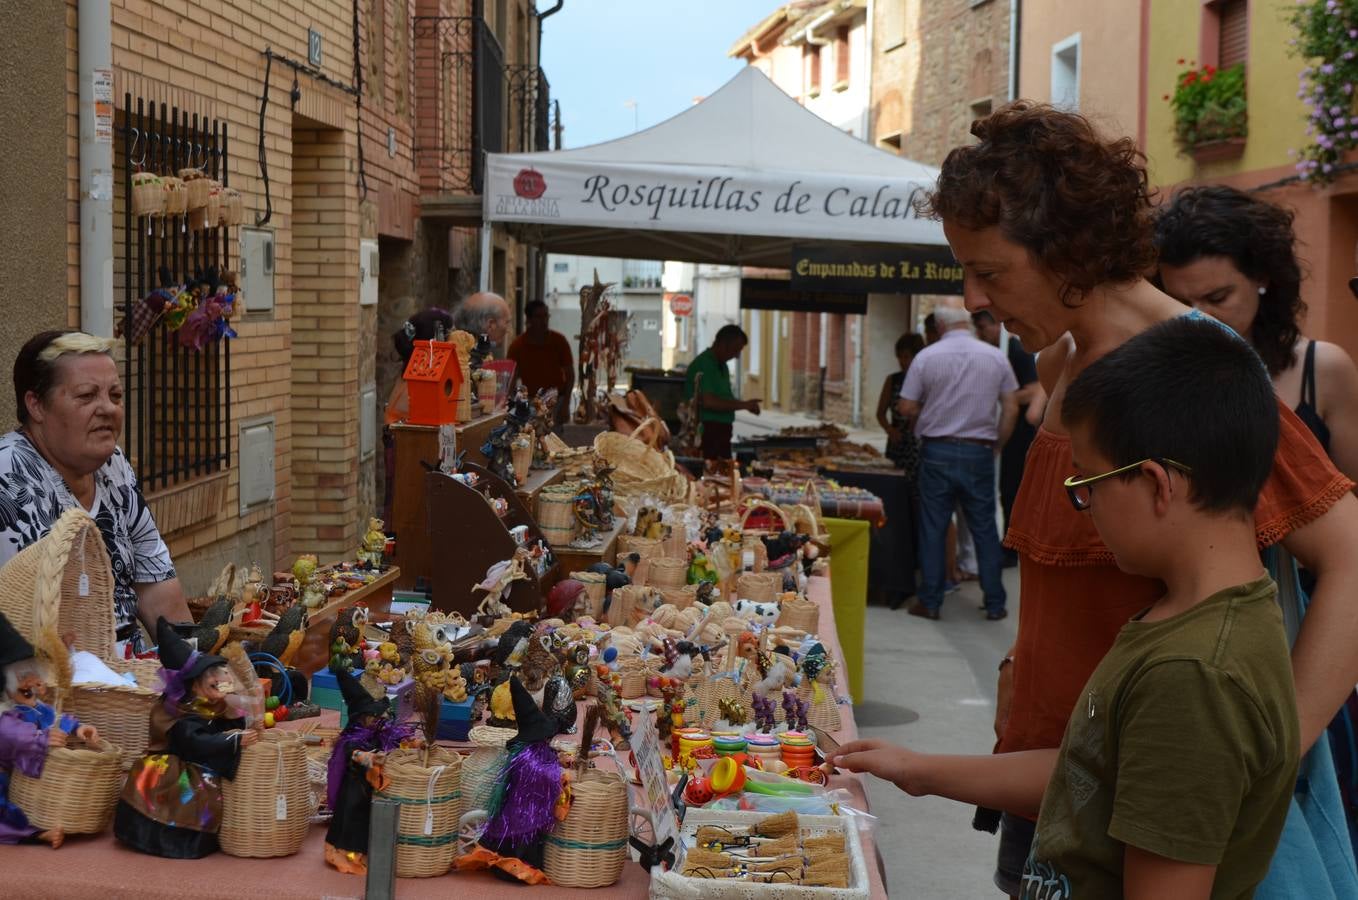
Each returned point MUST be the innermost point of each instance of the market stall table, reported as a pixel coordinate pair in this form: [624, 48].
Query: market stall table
[891, 567]
[99, 868]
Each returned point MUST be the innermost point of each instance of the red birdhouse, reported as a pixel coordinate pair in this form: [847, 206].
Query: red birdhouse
[433, 378]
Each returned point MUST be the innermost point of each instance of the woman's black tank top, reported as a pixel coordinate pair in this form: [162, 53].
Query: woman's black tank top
[1306, 409]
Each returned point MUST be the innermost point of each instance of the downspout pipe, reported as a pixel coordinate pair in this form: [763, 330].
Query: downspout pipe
[95, 23]
[1015, 24]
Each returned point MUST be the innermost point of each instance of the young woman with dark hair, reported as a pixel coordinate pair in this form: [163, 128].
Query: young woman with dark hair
[1233, 256]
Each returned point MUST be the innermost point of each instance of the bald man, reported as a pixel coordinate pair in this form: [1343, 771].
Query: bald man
[484, 313]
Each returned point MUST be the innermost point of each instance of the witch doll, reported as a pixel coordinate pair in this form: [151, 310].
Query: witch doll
[28, 727]
[171, 804]
[522, 806]
[355, 771]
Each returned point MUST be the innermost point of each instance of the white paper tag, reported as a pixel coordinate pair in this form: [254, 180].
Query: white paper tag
[281, 808]
[429, 821]
[83, 586]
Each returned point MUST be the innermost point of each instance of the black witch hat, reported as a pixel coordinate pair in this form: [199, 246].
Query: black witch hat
[175, 653]
[13, 646]
[534, 724]
[356, 697]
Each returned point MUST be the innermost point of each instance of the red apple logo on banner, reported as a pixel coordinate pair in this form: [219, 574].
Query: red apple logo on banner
[530, 184]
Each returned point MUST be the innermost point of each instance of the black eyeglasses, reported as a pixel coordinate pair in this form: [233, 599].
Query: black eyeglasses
[1079, 489]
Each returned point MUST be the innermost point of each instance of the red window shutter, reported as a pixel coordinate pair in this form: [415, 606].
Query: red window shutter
[842, 54]
[1233, 36]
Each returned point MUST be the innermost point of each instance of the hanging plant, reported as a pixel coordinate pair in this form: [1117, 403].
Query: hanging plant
[1327, 36]
[1209, 105]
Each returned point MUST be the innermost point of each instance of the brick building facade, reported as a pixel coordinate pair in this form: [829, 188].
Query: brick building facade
[351, 185]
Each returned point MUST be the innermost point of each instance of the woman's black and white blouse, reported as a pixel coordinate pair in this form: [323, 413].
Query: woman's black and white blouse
[33, 496]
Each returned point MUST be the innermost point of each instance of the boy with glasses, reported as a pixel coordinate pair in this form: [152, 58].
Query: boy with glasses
[1177, 766]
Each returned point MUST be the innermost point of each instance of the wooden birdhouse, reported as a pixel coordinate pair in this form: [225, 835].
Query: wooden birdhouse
[433, 378]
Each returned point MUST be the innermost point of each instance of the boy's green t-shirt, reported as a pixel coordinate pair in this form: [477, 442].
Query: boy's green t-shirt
[1185, 744]
[716, 381]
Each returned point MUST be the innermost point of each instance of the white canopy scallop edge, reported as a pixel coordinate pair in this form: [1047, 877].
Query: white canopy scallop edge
[738, 178]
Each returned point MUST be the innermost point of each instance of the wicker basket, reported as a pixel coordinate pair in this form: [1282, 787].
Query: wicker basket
[761, 587]
[823, 711]
[680, 598]
[521, 454]
[176, 197]
[639, 468]
[636, 676]
[589, 847]
[798, 612]
[778, 519]
[596, 588]
[632, 605]
[196, 186]
[77, 790]
[647, 548]
[70, 561]
[668, 574]
[266, 808]
[710, 692]
[481, 770]
[148, 194]
[233, 207]
[428, 786]
[556, 513]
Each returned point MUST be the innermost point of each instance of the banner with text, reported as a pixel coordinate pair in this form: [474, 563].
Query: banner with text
[536, 188]
[778, 293]
[904, 269]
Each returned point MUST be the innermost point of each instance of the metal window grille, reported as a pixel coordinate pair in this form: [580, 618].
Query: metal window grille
[178, 413]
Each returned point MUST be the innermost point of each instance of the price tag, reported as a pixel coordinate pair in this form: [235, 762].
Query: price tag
[280, 811]
[429, 821]
[83, 586]
[448, 448]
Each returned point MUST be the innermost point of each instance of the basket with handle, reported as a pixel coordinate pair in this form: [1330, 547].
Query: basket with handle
[639, 468]
[266, 808]
[823, 709]
[668, 574]
[148, 194]
[77, 789]
[596, 587]
[636, 677]
[66, 578]
[762, 517]
[176, 196]
[427, 784]
[588, 848]
[799, 613]
[761, 587]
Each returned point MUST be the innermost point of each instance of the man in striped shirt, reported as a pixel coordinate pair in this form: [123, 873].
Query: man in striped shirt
[960, 395]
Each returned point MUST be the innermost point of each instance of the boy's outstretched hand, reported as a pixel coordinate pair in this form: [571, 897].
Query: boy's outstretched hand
[883, 759]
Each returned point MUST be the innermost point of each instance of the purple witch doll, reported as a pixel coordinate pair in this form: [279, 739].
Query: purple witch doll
[355, 771]
[171, 804]
[522, 807]
[28, 727]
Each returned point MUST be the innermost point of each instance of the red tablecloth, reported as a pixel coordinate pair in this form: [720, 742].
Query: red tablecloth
[99, 868]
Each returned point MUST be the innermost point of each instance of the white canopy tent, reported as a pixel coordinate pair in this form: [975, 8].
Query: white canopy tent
[738, 178]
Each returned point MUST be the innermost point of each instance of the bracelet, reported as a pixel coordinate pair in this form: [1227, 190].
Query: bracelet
[1008, 660]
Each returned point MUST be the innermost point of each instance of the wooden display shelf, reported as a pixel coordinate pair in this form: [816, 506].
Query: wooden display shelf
[576, 559]
[416, 445]
[314, 653]
[537, 480]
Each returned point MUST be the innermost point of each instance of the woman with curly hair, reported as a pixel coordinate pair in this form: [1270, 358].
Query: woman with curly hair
[1052, 225]
[1233, 256]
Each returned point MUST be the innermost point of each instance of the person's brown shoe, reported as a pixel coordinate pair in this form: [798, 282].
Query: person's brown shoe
[924, 612]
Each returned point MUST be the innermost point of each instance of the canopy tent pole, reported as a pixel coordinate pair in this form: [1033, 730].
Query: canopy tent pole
[484, 280]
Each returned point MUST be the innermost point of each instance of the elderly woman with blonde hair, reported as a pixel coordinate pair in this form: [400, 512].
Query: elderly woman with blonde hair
[64, 454]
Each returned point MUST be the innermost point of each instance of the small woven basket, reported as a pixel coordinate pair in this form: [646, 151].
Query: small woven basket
[636, 675]
[761, 587]
[121, 713]
[148, 194]
[556, 513]
[589, 847]
[632, 605]
[644, 547]
[596, 587]
[196, 185]
[823, 711]
[428, 786]
[176, 197]
[233, 207]
[668, 574]
[77, 790]
[800, 613]
[266, 808]
[481, 769]
[680, 598]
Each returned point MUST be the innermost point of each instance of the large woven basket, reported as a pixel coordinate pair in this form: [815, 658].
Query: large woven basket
[646, 548]
[589, 847]
[639, 469]
[77, 790]
[266, 808]
[556, 513]
[596, 587]
[66, 578]
[428, 786]
[761, 587]
[481, 770]
[668, 574]
[798, 612]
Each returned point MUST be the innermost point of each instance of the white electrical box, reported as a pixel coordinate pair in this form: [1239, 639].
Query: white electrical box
[256, 464]
[368, 258]
[367, 422]
[257, 268]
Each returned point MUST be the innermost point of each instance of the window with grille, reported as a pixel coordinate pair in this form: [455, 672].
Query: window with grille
[1232, 33]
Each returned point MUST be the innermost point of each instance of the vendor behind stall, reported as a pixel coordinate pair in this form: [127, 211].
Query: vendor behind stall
[542, 358]
[718, 403]
[65, 453]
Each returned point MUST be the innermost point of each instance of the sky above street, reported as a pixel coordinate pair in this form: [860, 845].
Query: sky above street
[602, 55]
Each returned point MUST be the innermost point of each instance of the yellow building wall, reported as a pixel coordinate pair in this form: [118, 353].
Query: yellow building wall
[1276, 117]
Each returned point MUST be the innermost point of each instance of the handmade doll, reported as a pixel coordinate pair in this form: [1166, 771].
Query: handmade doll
[355, 771]
[521, 809]
[28, 726]
[171, 804]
